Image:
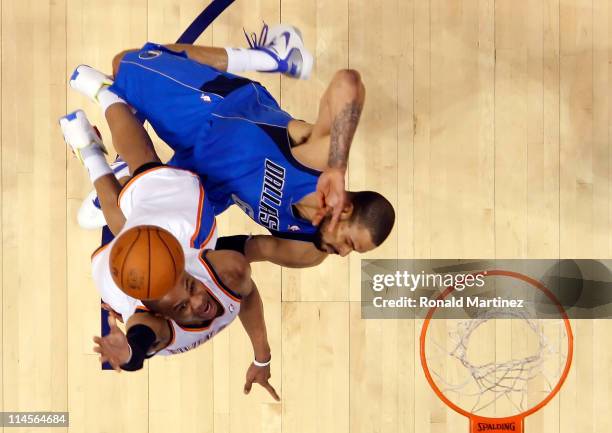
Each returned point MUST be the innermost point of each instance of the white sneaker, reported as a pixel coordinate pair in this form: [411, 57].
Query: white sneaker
[79, 133]
[89, 81]
[90, 215]
[285, 45]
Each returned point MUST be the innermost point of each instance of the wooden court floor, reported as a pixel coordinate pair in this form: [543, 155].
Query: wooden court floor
[487, 124]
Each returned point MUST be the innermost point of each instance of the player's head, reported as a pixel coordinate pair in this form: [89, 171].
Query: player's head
[188, 303]
[364, 224]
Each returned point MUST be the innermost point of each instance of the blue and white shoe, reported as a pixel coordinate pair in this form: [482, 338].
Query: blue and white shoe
[79, 133]
[90, 215]
[89, 81]
[285, 45]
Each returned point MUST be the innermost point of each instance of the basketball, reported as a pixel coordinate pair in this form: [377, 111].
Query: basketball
[146, 262]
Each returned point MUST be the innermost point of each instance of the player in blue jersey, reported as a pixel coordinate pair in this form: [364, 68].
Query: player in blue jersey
[286, 174]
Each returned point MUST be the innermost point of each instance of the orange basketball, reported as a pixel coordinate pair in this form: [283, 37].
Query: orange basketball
[146, 262]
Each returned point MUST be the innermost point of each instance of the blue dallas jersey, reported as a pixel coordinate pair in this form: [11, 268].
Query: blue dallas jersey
[227, 129]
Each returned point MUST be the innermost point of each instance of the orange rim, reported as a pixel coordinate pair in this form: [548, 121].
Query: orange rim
[568, 363]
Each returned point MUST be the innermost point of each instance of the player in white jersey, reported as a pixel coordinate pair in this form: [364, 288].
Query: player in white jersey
[215, 286]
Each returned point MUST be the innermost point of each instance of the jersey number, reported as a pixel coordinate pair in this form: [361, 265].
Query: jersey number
[244, 206]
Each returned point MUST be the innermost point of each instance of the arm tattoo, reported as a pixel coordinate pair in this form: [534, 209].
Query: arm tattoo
[342, 132]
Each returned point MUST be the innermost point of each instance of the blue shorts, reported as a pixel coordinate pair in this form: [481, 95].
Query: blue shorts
[178, 96]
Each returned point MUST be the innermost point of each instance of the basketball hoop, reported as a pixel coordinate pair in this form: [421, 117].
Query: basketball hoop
[483, 386]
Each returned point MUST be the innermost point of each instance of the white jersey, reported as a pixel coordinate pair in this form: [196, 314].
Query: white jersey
[172, 199]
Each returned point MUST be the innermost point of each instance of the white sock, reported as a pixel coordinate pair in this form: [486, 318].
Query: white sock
[247, 59]
[106, 98]
[95, 162]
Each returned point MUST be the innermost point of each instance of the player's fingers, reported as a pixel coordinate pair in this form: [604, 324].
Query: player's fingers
[113, 362]
[331, 200]
[334, 219]
[103, 355]
[320, 199]
[332, 226]
[112, 322]
[271, 390]
[97, 349]
[248, 385]
[111, 312]
[97, 339]
[316, 220]
[342, 201]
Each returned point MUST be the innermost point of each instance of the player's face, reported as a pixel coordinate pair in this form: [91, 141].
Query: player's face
[348, 236]
[189, 303]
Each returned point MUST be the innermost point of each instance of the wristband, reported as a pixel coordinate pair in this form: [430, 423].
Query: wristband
[256, 363]
[131, 353]
[234, 243]
[140, 339]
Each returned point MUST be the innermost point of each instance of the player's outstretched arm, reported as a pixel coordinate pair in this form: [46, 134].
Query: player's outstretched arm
[235, 273]
[283, 252]
[130, 139]
[128, 352]
[339, 113]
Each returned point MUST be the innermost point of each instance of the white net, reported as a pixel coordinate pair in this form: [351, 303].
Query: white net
[500, 363]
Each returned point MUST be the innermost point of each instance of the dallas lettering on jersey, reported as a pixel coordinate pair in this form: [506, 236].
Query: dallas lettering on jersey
[271, 195]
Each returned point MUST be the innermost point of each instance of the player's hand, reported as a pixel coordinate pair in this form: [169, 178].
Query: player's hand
[259, 375]
[113, 348]
[111, 312]
[331, 194]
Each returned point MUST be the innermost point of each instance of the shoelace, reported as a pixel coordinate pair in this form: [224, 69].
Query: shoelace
[252, 39]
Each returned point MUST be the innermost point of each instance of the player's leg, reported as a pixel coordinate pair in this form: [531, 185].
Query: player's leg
[87, 145]
[211, 56]
[278, 49]
[89, 215]
[177, 96]
[130, 138]
[162, 86]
